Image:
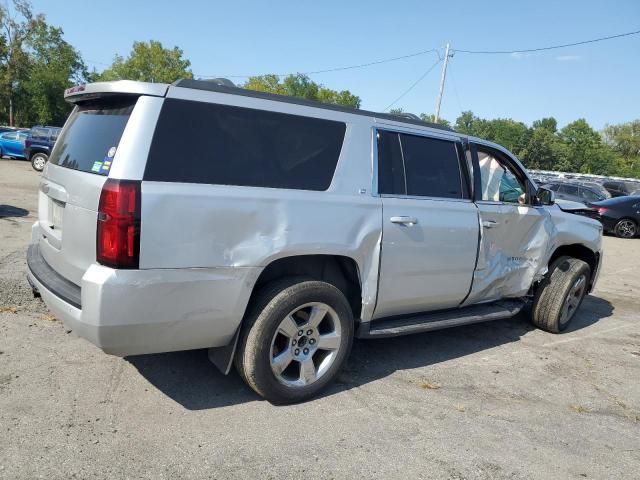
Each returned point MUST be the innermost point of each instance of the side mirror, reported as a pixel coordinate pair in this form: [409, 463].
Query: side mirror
[546, 196]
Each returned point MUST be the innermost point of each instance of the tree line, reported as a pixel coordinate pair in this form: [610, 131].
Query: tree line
[37, 64]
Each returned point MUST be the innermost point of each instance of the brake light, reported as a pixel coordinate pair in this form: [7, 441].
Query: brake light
[602, 210]
[26, 143]
[118, 232]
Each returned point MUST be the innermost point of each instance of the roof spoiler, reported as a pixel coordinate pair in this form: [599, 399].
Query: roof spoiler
[80, 93]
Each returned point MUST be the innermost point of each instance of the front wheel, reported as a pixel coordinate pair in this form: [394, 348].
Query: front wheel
[560, 294]
[296, 337]
[38, 161]
[625, 228]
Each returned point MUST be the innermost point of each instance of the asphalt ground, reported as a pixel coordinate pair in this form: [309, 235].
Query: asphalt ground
[499, 400]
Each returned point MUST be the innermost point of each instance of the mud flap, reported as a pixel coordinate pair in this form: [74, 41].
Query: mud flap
[222, 357]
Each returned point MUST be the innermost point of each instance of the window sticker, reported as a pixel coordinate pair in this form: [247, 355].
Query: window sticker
[96, 167]
[106, 165]
[112, 152]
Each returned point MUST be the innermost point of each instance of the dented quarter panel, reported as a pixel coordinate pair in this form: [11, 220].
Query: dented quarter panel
[252, 227]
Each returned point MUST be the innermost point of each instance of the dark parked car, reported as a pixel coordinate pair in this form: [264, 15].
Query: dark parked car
[39, 144]
[620, 215]
[616, 188]
[576, 192]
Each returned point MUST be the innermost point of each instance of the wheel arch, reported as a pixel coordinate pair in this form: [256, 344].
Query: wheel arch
[339, 270]
[580, 252]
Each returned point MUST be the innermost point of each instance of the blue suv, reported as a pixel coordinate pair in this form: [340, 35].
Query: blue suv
[38, 145]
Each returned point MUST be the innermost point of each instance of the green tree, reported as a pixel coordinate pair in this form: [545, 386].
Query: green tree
[431, 118]
[149, 62]
[542, 149]
[624, 141]
[300, 85]
[624, 138]
[53, 65]
[584, 151]
[17, 22]
[549, 123]
[468, 123]
[36, 65]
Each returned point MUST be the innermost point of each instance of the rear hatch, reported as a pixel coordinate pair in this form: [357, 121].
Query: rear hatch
[72, 181]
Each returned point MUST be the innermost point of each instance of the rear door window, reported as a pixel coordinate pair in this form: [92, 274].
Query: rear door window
[91, 136]
[418, 166]
[432, 167]
[197, 142]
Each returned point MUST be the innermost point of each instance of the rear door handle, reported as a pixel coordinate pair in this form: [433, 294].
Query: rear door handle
[489, 223]
[404, 220]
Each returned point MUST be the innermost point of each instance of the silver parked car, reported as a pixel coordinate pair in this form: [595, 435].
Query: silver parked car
[284, 228]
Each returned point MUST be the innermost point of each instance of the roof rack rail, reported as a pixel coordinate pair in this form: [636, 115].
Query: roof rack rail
[220, 85]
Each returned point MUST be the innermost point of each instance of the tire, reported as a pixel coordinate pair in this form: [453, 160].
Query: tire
[38, 161]
[272, 358]
[625, 228]
[560, 294]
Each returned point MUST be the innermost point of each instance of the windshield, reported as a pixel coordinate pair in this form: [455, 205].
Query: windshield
[90, 139]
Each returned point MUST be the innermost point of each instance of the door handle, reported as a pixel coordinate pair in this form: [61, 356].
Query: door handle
[489, 223]
[404, 220]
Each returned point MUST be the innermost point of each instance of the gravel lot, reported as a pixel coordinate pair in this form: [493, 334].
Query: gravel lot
[488, 401]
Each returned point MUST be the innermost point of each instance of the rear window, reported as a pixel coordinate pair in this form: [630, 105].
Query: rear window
[90, 139]
[208, 143]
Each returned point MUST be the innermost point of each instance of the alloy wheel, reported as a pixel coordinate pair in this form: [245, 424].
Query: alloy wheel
[626, 229]
[305, 344]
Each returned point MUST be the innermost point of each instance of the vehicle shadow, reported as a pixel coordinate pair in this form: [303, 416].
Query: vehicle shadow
[192, 381]
[7, 211]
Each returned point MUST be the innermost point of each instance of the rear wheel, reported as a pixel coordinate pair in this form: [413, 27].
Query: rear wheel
[625, 228]
[296, 337]
[560, 294]
[38, 161]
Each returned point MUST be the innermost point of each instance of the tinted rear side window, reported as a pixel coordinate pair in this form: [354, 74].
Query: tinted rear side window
[390, 166]
[432, 167]
[91, 136]
[197, 142]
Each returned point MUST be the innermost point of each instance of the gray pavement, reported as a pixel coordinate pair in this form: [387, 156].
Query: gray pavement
[499, 400]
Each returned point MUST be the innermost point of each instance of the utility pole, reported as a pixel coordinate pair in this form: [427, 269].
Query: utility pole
[442, 78]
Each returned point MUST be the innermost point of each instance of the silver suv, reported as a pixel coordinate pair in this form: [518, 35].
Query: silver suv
[273, 230]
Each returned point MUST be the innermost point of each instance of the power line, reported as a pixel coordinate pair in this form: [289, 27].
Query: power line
[414, 84]
[335, 69]
[540, 49]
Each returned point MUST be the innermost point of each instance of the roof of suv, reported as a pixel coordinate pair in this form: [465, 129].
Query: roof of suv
[92, 90]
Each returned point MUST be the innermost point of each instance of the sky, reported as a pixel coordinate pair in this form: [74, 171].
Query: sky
[599, 82]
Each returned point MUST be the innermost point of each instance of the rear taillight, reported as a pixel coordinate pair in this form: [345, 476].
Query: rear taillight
[602, 210]
[26, 143]
[118, 233]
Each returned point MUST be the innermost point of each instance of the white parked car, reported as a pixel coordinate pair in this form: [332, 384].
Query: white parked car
[273, 230]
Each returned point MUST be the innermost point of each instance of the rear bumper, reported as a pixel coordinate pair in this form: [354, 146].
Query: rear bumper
[131, 312]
